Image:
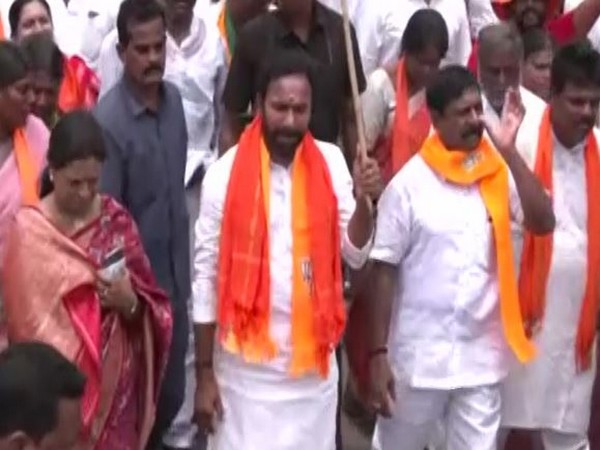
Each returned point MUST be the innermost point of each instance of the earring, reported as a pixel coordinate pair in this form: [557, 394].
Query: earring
[51, 176]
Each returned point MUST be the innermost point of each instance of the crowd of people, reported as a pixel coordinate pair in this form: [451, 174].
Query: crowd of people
[204, 212]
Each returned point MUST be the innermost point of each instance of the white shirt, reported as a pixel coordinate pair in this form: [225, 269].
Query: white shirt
[454, 13]
[208, 230]
[377, 30]
[481, 14]
[526, 403]
[197, 67]
[445, 328]
[79, 26]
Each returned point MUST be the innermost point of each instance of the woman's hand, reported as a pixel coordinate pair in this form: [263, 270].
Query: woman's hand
[118, 295]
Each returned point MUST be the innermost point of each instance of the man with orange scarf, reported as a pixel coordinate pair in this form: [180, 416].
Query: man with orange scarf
[442, 340]
[276, 218]
[558, 282]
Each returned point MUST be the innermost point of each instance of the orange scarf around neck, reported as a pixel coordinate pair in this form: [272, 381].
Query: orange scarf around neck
[485, 167]
[409, 133]
[2, 34]
[28, 170]
[244, 272]
[537, 250]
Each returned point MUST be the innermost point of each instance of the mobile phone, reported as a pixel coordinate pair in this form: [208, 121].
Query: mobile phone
[114, 264]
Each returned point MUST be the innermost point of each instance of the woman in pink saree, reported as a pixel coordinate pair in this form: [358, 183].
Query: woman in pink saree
[76, 277]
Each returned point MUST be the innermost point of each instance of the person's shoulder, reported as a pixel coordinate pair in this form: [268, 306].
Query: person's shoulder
[38, 135]
[412, 175]
[108, 104]
[171, 91]
[258, 26]
[532, 102]
[333, 155]
[218, 173]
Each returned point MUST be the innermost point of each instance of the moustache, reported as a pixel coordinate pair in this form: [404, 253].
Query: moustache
[153, 69]
[473, 131]
[292, 134]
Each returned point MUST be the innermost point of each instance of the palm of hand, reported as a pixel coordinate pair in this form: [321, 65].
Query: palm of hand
[505, 133]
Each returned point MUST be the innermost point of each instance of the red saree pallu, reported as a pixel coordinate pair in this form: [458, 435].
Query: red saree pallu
[50, 296]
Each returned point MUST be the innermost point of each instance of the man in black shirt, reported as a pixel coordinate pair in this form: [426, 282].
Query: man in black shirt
[317, 30]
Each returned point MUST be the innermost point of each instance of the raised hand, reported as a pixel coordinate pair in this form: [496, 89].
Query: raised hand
[504, 133]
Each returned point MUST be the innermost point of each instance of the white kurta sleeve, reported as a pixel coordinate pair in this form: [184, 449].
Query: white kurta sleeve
[343, 188]
[391, 35]
[110, 67]
[394, 216]
[460, 42]
[206, 247]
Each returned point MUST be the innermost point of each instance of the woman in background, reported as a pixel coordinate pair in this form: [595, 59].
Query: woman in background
[80, 85]
[46, 67]
[76, 277]
[538, 51]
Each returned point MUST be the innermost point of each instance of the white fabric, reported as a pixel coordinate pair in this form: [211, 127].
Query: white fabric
[377, 30]
[471, 415]
[80, 26]
[445, 333]
[197, 68]
[549, 393]
[481, 14]
[554, 440]
[378, 105]
[300, 412]
[454, 13]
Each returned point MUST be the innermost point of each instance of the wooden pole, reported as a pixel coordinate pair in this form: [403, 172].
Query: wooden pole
[360, 124]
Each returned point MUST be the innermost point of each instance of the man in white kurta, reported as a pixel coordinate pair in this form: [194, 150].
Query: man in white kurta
[436, 284]
[550, 394]
[264, 406]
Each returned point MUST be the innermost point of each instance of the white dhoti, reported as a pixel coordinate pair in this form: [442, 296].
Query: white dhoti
[471, 417]
[263, 411]
[549, 393]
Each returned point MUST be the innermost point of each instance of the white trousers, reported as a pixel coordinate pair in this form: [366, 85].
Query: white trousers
[471, 418]
[552, 440]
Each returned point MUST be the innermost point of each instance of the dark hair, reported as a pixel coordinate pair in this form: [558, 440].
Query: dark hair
[578, 64]
[136, 12]
[13, 62]
[34, 377]
[536, 40]
[76, 136]
[425, 28]
[14, 13]
[284, 62]
[43, 55]
[449, 84]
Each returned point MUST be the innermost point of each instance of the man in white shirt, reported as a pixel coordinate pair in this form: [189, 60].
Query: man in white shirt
[500, 56]
[267, 306]
[553, 393]
[445, 305]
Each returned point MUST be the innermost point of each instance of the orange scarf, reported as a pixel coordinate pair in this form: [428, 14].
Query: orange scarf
[409, 133]
[2, 34]
[537, 250]
[244, 289]
[485, 167]
[28, 170]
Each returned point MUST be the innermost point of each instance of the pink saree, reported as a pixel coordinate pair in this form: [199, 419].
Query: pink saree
[50, 296]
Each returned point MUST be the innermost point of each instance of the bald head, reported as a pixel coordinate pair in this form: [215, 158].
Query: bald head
[499, 37]
[500, 56]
